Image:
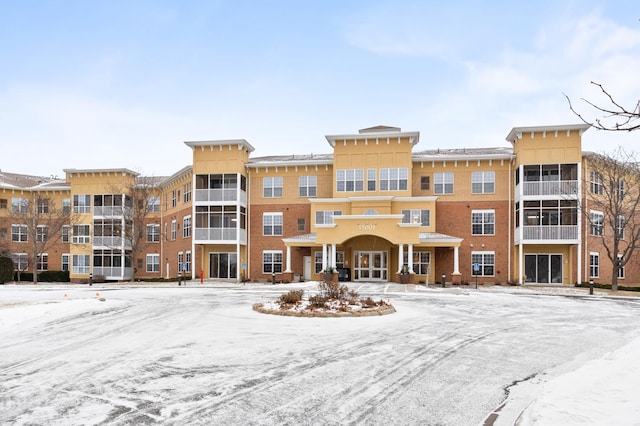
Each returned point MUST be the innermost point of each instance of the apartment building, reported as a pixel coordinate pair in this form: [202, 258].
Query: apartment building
[376, 208]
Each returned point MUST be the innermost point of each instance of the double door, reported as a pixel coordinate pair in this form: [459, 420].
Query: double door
[543, 268]
[370, 266]
[223, 265]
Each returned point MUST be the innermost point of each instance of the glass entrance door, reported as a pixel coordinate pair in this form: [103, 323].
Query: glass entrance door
[543, 268]
[223, 265]
[370, 266]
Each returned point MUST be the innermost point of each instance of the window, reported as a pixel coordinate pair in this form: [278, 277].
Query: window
[302, 224]
[186, 192]
[594, 264]
[597, 223]
[81, 263]
[620, 227]
[19, 233]
[483, 222]
[65, 233]
[153, 233]
[153, 204]
[394, 179]
[42, 232]
[174, 200]
[3, 203]
[3, 233]
[597, 186]
[620, 266]
[325, 217]
[421, 263]
[65, 262]
[186, 227]
[66, 205]
[371, 179]
[187, 260]
[272, 223]
[349, 180]
[317, 261]
[42, 264]
[82, 203]
[180, 260]
[272, 187]
[174, 229]
[486, 263]
[20, 261]
[19, 205]
[425, 183]
[483, 182]
[422, 217]
[307, 186]
[81, 234]
[443, 183]
[43, 206]
[271, 261]
[621, 186]
[153, 263]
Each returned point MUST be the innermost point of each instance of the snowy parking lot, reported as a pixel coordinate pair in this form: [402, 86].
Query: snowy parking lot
[120, 354]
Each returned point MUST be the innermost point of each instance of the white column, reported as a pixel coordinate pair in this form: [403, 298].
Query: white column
[324, 257]
[456, 260]
[288, 259]
[520, 263]
[410, 257]
[400, 256]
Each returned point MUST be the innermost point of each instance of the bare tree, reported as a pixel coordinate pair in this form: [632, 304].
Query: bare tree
[615, 117]
[38, 221]
[141, 199]
[611, 206]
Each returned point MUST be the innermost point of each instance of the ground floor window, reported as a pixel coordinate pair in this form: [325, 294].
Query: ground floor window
[43, 262]
[317, 258]
[594, 264]
[20, 261]
[153, 263]
[483, 263]
[421, 262]
[65, 262]
[81, 263]
[272, 261]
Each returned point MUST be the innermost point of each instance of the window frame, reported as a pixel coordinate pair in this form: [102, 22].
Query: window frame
[272, 224]
[443, 183]
[484, 225]
[272, 261]
[307, 186]
[272, 187]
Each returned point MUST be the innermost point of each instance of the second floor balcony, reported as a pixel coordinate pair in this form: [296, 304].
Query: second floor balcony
[543, 188]
[218, 235]
[548, 234]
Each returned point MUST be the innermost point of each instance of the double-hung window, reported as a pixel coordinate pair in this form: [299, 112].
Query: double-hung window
[153, 263]
[395, 179]
[82, 203]
[483, 182]
[19, 233]
[153, 233]
[272, 187]
[349, 180]
[307, 186]
[325, 217]
[272, 261]
[485, 260]
[272, 223]
[418, 216]
[594, 264]
[483, 222]
[443, 183]
[597, 223]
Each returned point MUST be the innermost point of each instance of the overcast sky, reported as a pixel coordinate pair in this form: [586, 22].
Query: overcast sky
[87, 84]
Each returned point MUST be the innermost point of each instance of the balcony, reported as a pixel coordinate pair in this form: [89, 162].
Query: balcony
[110, 242]
[554, 187]
[220, 235]
[111, 211]
[548, 234]
[218, 195]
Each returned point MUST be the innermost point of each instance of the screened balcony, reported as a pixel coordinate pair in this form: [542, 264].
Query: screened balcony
[548, 234]
[547, 179]
[221, 187]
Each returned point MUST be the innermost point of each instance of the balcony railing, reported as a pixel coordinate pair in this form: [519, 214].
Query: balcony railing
[220, 234]
[110, 241]
[556, 187]
[220, 195]
[548, 233]
[108, 211]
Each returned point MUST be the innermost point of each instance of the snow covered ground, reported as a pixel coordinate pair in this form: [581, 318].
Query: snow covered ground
[199, 355]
